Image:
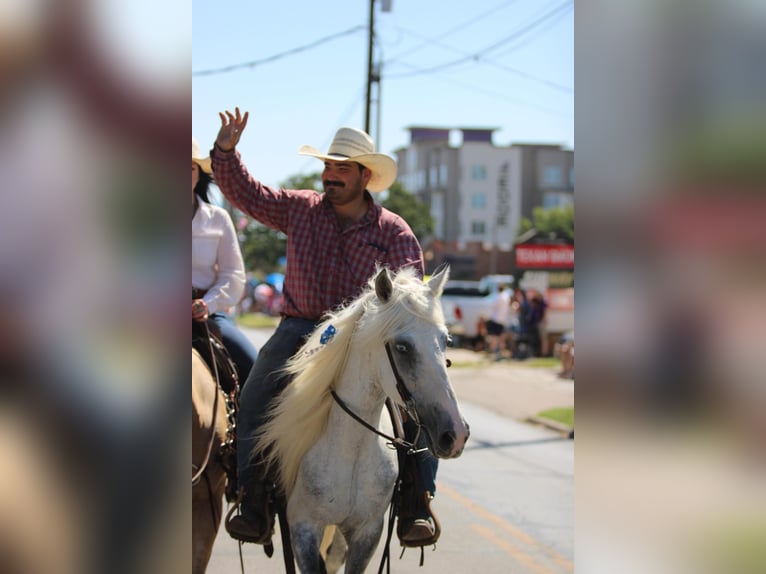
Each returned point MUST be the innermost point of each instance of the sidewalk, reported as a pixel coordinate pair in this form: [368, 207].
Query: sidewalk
[508, 387]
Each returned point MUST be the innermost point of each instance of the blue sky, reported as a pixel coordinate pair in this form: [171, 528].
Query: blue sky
[488, 63]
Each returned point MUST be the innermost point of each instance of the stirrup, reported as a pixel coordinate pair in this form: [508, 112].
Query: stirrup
[242, 529]
[421, 524]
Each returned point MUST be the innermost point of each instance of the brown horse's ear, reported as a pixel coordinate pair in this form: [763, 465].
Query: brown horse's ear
[383, 285]
[438, 279]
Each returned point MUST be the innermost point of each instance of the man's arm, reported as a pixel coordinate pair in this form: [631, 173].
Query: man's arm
[261, 202]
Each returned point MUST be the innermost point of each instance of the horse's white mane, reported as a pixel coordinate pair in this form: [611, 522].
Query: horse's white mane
[300, 414]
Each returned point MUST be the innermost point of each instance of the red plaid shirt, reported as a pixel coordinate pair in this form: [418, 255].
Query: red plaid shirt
[326, 265]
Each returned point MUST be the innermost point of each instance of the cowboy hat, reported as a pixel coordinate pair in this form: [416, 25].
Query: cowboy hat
[350, 144]
[203, 162]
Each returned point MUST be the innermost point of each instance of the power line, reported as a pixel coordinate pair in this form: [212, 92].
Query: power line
[254, 63]
[459, 27]
[477, 56]
[475, 88]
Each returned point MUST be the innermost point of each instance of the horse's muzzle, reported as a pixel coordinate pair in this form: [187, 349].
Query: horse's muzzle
[450, 443]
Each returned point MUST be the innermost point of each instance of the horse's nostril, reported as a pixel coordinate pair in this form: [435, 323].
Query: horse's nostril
[447, 440]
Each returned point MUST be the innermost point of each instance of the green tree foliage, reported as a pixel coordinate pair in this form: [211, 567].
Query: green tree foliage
[559, 220]
[411, 209]
[262, 247]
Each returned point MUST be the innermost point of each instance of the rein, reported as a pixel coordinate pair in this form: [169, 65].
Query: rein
[397, 442]
[406, 396]
[403, 447]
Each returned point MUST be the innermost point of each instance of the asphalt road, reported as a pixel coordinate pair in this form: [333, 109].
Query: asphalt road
[506, 506]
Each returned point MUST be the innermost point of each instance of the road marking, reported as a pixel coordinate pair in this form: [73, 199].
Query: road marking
[507, 527]
[511, 549]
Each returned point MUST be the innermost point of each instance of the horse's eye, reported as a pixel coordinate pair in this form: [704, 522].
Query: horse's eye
[402, 347]
[449, 341]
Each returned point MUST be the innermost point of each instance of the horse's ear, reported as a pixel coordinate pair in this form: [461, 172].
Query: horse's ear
[383, 285]
[438, 279]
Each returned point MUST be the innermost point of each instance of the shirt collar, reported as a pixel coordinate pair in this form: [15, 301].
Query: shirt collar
[372, 214]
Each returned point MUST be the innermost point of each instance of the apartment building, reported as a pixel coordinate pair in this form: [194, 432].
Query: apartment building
[478, 192]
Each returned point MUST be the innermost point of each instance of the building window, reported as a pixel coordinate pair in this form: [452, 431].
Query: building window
[479, 200]
[552, 176]
[443, 175]
[571, 177]
[479, 172]
[551, 200]
[478, 228]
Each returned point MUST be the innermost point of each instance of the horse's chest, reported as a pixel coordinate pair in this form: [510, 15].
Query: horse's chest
[348, 483]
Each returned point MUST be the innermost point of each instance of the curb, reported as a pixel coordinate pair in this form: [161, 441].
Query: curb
[553, 425]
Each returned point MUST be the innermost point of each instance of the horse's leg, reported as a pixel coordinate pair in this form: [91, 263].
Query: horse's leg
[333, 549]
[306, 537]
[361, 545]
[206, 516]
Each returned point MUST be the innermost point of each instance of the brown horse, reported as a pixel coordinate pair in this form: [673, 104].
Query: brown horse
[208, 423]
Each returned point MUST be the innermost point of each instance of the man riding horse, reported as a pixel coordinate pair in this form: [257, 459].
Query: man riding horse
[335, 240]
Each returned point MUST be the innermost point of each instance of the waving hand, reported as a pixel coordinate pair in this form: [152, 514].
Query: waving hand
[232, 126]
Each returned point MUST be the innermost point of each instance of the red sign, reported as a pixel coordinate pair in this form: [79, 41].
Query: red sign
[545, 256]
[560, 299]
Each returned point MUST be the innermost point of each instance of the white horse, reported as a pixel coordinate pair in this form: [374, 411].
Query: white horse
[332, 469]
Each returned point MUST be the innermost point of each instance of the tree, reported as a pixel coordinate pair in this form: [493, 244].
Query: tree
[559, 220]
[411, 209]
[262, 247]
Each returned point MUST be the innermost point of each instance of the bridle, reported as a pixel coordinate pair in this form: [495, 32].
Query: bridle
[397, 442]
[403, 447]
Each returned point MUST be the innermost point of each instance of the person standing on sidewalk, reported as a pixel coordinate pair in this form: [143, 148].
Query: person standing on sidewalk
[335, 240]
[498, 319]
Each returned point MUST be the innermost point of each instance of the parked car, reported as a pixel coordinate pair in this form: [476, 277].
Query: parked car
[465, 303]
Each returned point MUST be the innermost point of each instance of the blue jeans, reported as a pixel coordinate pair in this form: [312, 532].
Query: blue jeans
[265, 382]
[427, 463]
[242, 351]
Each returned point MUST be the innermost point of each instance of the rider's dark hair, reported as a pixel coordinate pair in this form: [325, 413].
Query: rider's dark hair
[201, 189]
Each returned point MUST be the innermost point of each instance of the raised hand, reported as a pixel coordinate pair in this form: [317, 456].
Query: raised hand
[232, 126]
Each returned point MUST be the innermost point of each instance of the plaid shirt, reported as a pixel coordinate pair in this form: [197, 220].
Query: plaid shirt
[326, 265]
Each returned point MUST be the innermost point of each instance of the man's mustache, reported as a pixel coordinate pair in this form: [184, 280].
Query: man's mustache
[328, 182]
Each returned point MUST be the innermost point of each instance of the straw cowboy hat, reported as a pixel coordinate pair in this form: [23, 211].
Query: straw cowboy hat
[350, 144]
[203, 162]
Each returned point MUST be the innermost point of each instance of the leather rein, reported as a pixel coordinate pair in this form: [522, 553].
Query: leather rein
[406, 395]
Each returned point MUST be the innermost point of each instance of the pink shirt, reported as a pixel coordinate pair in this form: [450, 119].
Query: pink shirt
[326, 265]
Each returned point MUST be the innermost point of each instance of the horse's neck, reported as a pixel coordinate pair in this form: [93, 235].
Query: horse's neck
[359, 386]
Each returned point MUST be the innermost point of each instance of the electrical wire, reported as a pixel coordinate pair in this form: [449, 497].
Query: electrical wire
[478, 56]
[254, 63]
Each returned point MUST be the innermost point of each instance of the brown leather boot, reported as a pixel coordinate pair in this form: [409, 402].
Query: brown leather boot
[418, 525]
[256, 522]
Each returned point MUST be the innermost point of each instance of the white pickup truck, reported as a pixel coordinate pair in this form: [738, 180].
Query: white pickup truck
[464, 302]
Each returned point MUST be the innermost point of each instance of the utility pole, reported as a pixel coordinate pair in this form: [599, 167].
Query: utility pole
[373, 71]
[370, 71]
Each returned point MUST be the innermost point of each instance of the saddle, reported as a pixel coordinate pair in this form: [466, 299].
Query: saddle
[206, 339]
